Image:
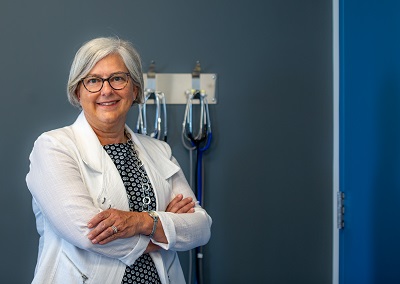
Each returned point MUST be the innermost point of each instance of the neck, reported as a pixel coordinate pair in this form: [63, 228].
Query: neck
[110, 137]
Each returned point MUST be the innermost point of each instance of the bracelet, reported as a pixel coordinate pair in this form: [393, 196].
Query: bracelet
[153, 215]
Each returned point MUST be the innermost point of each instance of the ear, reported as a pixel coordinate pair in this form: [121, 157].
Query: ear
[135, 94]
[77, 94]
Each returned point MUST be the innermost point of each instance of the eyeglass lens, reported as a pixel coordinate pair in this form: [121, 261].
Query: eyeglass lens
[117, 81]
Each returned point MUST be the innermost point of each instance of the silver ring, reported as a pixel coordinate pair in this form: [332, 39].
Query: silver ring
[114, 229]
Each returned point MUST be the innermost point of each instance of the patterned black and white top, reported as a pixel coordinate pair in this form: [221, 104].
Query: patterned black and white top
[139, 189]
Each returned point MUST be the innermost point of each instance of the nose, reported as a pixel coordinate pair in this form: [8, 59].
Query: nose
[106, 90]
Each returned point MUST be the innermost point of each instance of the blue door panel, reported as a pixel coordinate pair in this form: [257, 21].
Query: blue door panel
[370, 141]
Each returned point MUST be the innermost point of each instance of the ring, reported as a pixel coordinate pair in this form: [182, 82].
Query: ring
[114, 229]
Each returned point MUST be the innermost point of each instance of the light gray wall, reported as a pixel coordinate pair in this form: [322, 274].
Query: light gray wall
[269, 170]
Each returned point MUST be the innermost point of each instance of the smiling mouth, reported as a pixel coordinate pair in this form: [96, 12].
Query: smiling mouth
[108, 103]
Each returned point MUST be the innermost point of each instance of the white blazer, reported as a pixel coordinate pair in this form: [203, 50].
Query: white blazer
[71, 178]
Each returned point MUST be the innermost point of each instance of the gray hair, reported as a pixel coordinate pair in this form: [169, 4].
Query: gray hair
[96, 49]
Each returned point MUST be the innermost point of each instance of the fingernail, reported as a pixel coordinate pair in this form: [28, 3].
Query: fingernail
[89, 225]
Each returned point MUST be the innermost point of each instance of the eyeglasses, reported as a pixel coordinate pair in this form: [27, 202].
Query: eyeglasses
[117, 81]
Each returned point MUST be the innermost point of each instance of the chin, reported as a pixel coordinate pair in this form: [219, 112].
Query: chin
[113, 118]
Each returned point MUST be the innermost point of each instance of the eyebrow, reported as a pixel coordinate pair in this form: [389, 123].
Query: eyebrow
[98, 76]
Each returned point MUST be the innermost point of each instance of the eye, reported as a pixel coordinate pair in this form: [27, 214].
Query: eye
[92, 81]
[119, 78]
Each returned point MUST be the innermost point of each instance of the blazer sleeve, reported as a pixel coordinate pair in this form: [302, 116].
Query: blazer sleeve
[183, 231]
[56, 184]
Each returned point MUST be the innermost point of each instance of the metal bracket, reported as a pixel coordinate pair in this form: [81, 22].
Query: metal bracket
[151, 77]
[175, 86]
[340, 210]
[196, 77]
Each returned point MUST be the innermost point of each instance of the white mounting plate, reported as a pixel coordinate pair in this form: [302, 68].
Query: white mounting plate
[174, 87]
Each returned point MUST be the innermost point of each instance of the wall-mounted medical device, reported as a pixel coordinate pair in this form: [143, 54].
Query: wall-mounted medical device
[175, 85]
[153, 96]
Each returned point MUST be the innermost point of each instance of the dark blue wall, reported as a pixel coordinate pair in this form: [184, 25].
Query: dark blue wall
[269, 169]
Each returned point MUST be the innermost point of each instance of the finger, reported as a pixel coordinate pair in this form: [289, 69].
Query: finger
[106, 236]
[178, 206]
[188, 208]
[98, 218]
[98, 231]
[174, 202]
[108, 239]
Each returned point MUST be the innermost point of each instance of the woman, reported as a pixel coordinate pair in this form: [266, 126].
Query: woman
[111, 206]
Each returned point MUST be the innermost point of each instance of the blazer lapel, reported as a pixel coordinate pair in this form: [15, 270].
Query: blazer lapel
[112, 190]
[88, 144]
[164, 167]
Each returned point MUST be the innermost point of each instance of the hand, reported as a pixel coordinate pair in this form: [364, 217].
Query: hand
[181, 205]
[126, 223]
[177, 205]
[151, 247]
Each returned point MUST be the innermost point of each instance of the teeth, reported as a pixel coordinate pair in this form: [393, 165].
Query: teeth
[107, 104]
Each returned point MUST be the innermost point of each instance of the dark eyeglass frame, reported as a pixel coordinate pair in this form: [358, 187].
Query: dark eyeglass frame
[108, 80]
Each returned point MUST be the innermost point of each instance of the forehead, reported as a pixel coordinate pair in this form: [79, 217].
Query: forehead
[110, 64]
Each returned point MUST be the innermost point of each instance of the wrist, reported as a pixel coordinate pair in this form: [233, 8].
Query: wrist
[151, 230]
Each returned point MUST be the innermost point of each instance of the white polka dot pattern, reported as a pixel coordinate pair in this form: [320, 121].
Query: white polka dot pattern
[134, 177]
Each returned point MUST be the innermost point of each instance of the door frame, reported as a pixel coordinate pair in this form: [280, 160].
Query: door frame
[336, 120]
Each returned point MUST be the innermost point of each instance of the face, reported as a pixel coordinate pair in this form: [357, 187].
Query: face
[106, 109]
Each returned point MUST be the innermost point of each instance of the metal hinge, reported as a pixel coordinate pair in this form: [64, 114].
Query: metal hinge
[340, 210]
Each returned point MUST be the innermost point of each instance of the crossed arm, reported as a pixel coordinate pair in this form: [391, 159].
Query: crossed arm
[130, 223]
[62, 199]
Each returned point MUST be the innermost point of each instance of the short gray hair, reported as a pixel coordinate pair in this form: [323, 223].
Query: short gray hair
[96, 49]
